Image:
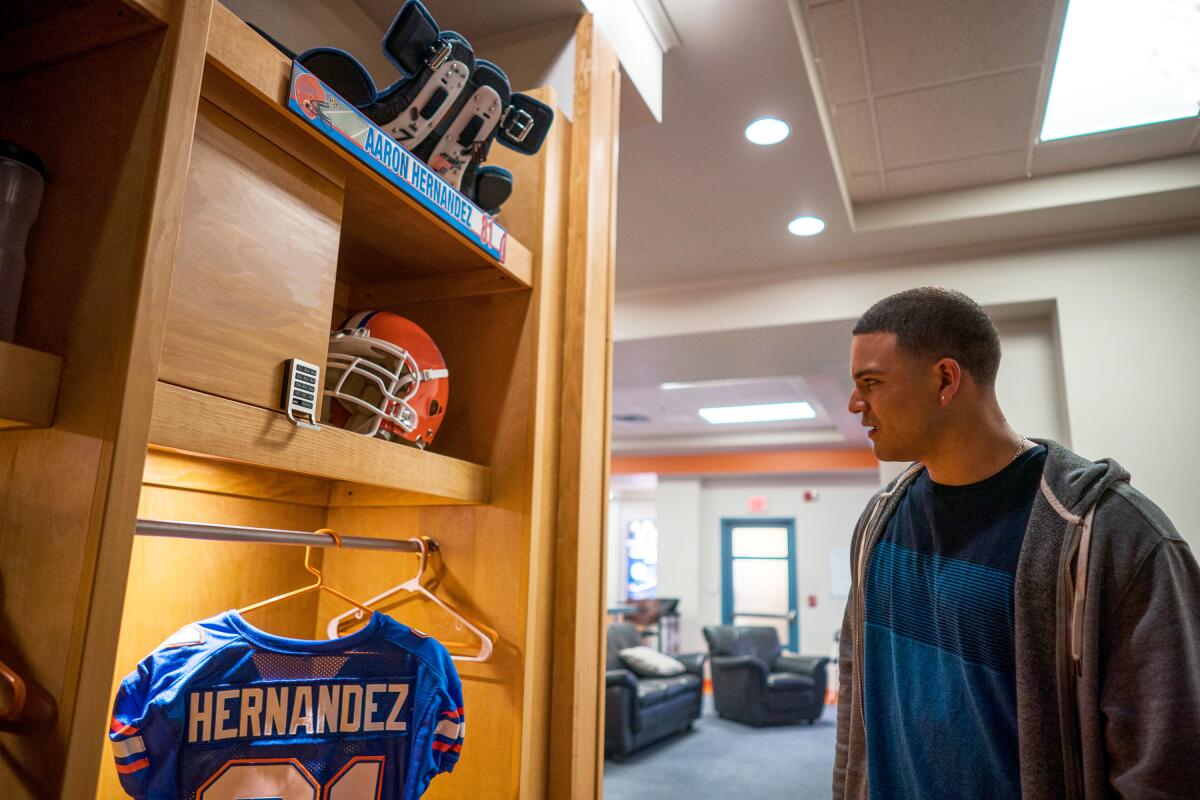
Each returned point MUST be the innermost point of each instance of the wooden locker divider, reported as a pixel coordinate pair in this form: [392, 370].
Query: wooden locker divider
[249, 289]
[540, 218]
[578, 691]
[99, 270]
[196, 236]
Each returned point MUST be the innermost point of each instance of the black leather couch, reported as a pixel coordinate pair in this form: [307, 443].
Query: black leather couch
[755, 682]
[639, 711]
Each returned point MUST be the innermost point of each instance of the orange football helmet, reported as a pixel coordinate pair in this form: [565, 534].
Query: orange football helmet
[386, 378]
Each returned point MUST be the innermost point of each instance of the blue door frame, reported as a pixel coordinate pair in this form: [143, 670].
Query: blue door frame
[727, 526]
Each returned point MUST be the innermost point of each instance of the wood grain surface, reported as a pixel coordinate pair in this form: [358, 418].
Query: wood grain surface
[29, 386]
[195, 422]
[255, 269]
[577, 694]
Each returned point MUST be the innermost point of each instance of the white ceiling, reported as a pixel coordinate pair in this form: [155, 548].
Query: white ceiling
[929, 95]
[956, 79]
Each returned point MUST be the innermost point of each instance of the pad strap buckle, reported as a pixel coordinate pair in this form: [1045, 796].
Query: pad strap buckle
[438, 54]
[516, 123]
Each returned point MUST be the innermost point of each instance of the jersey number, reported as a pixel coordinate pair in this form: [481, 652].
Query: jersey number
[287, 779]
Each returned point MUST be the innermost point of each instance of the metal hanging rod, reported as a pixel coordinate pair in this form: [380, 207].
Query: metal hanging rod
[235, 533]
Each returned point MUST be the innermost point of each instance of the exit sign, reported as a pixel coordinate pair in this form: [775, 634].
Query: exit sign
[756, 504]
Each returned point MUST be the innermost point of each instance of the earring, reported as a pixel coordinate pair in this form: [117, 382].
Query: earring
[943, 398]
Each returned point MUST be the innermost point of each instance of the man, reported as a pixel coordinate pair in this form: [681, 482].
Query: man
[1022, 622]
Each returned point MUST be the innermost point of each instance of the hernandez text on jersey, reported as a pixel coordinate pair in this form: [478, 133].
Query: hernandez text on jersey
[223, 711]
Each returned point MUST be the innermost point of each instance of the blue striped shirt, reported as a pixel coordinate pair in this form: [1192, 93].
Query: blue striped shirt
[939, 674]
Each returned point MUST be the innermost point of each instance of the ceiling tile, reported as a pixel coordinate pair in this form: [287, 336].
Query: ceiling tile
[957, 120]
[866, 188]
[995, 168]
[836, 48]
[855, 138]
[917, 42]
[1114, 147]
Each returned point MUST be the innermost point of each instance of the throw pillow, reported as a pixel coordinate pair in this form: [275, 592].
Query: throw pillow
[646, 662]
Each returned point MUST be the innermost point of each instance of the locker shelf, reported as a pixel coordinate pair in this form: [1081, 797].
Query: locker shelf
[364, 471]
[28, 387]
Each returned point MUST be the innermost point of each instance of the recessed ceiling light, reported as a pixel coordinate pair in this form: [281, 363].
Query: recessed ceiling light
[806, 226]
[770, 412]
[767, 130]
[1121, 65]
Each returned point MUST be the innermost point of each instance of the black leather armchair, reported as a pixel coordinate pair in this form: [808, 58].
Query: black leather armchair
[755, 682]
[639, 711]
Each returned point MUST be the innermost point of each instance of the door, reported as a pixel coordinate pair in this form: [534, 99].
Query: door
[758, 586]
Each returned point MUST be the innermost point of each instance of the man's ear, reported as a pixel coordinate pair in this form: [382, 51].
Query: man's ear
[949, 378]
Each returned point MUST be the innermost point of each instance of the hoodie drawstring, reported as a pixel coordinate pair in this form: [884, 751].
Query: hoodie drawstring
[1081, 570]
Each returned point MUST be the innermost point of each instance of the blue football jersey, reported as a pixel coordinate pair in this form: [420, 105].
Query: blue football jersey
[224, 711]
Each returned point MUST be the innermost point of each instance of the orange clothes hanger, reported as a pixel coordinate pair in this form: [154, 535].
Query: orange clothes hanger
[320, 585]
[17, 687]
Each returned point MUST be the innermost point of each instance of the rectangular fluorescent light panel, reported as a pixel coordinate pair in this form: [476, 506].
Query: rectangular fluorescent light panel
[1123, 63]
[720, 383]
[771, 412]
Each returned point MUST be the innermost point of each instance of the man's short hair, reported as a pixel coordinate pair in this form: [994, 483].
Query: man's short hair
[935, 323]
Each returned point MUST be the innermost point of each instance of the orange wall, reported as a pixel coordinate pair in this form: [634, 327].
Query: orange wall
[762, 462]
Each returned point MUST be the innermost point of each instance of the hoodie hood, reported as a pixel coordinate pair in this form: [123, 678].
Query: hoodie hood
[1073, 484]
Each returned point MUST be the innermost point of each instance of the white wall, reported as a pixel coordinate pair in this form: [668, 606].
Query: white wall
[677, 514]
[689, 514]
[1029, 384]
[613, 555]
[1127, 323]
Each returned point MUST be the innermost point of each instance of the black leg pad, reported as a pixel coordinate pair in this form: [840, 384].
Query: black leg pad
[493, 185]
[341, 72]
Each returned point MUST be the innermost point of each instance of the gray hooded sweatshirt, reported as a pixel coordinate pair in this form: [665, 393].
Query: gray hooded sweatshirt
[1107, 668]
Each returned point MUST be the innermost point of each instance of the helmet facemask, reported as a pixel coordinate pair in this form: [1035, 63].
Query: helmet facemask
[373, 380]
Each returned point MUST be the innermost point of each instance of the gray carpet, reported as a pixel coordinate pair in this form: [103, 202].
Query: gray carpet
[721, 759]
